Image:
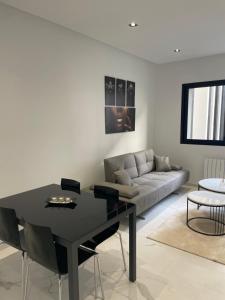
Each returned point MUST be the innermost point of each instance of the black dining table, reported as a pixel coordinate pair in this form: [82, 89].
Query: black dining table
[72, 226]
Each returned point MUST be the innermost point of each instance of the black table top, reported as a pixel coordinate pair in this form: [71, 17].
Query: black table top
[66, 223]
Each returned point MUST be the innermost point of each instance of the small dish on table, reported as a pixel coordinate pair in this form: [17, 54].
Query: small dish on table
[60, 200]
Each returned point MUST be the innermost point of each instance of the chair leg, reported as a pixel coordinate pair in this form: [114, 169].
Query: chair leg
[95, 280]
[60, 287]
[122, 250]
[100, 276]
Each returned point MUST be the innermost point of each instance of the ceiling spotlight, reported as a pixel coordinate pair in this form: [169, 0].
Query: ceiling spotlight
[177, 50]
[133, 24]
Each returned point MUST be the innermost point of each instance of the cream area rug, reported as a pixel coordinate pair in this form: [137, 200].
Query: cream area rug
[169, 227]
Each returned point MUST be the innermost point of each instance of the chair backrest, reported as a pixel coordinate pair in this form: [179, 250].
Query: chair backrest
[70, 185]
[112, 197]
[40, 246]
[9, 230]
[106, 192]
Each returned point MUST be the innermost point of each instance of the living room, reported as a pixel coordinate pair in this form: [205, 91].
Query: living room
[56, 60]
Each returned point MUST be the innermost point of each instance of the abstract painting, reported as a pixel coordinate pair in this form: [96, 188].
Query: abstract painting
[120, 92]
[119, 105]
[110, 89]
[130, 93]
[119, 119]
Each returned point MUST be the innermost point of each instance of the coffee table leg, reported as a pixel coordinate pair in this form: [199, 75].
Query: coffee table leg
[187, 213]
[198, 206]
[223, 217]
[216, 221]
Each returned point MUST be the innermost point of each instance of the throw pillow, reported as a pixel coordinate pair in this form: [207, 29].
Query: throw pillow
[122, 177]
[162, 163]
[176, 167]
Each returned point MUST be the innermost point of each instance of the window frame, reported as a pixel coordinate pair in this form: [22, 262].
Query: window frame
[184, 113]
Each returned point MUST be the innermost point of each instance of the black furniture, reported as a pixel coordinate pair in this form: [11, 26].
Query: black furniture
[72, 227]
[70, 185]
[112, 195]
[10, 234]
[42, 249]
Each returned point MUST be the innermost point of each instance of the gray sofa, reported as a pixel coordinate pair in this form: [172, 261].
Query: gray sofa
[148, 186]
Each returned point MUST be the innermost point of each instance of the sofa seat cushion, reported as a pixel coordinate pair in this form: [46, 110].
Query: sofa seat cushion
[144, 161]
[163, 182]
[158, 177]
[155, 186]
[142, 180]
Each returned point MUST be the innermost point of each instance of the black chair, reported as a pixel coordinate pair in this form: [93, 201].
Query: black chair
[42, 249]
[112, 196]
[10, 234]
[70, 185]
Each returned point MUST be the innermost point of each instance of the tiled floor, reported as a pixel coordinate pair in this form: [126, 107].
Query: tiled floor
[164, 273]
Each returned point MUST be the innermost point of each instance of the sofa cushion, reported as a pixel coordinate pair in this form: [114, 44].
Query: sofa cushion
[162, 163]
[157, 179]
[150, 159]
[122, 177]
[130, 166]
[155, 186]
[144, 161]
[122, 162]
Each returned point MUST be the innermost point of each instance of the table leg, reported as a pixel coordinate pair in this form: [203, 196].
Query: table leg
[73, 279]
[198, 206]
[132, 247]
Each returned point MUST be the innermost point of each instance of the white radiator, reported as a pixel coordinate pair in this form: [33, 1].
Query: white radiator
[214, 168]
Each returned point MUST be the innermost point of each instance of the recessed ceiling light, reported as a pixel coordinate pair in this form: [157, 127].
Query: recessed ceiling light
[177, 50]
[133, 24]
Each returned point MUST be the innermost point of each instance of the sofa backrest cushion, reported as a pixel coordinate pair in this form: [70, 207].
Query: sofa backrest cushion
[145, 161]
[122, 162]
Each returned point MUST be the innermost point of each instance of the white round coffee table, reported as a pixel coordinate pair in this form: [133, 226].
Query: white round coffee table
[212, 184]
[215, 202]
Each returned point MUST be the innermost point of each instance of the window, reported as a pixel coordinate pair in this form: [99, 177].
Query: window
[203, 113]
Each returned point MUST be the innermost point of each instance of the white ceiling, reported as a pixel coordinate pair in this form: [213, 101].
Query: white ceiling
[195, 26]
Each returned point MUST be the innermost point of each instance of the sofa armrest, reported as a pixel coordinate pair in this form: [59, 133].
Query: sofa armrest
[124, 190]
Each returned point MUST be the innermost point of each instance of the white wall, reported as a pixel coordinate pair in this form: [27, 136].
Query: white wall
[170, 78]
[52, 103]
